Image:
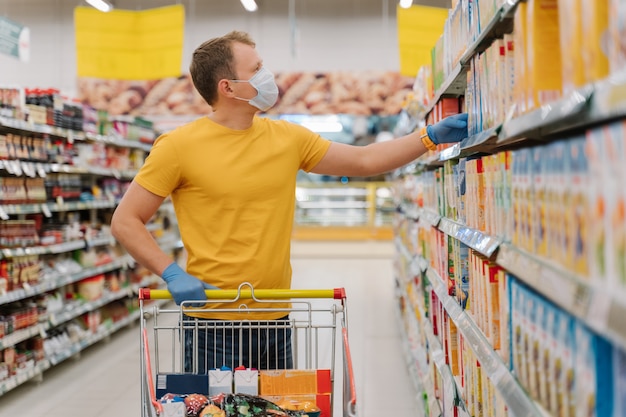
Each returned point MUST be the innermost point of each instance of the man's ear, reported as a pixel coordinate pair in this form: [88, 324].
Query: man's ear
[224, 88]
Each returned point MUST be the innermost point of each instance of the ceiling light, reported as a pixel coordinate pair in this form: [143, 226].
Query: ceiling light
[405, 4]
[102, 5]
[249, 5]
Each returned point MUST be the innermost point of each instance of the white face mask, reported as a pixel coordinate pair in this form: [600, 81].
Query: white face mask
[263, 82]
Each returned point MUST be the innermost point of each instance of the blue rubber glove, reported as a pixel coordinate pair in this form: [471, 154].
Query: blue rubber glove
[449, 130]
[184, 287]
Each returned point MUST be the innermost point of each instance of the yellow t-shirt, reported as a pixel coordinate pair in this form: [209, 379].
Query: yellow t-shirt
[234, 196]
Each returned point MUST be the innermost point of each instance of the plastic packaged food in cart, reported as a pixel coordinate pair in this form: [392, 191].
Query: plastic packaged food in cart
[232, 405]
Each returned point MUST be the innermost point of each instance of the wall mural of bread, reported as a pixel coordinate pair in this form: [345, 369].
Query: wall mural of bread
[365, 93]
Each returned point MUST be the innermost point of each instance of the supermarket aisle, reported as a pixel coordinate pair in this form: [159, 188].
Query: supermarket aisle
[104, 381]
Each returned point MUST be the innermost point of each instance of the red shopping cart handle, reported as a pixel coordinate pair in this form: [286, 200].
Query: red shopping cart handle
[246, 293]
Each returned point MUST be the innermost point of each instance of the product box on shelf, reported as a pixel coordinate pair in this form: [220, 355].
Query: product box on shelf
[571, 38]
[619, 379]
[617, 30]
[595, 25]
[613, 179]
[579, 208]
[596, 153]
[543, 53]
[520, 72]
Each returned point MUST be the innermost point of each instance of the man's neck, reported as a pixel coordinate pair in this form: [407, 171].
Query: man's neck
[232, 118]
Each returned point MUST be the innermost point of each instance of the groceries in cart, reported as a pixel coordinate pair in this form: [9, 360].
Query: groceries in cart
[203, 367]
[233, 405]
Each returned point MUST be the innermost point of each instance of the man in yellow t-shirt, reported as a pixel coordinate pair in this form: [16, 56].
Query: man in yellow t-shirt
[232, 178]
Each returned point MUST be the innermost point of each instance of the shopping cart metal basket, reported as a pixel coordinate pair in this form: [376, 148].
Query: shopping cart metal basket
[315, 325]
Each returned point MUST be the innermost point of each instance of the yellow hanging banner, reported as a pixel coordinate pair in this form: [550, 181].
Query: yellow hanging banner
[419, 27]
[129, 45]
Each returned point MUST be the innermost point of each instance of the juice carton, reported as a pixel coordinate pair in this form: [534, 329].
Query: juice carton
[461, 188]
[538, 208]
[526, 175]
[595, 61]
[505, 317]
[597, 158]
[571, 44]
[565, 365]
[579, 209]
[617, 30]
[619, 378]
[463, 275]
[480, 195]
[510, 86]
[550, 358]
[532, 348]
[521, 76]
[539, 348]
[543, 55]
[616, 207]
[493, 306]
[452, 347]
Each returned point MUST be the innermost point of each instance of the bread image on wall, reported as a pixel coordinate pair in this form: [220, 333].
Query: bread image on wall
[363, 93]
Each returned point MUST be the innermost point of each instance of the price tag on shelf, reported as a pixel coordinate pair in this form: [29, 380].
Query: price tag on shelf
[16, 168]
[598, 313]
[46, 210]
[41, 171]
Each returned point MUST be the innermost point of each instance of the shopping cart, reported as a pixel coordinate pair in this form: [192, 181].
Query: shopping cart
[314, 320]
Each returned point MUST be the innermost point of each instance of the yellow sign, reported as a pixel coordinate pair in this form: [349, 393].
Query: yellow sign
[419, 27]
[129, 45]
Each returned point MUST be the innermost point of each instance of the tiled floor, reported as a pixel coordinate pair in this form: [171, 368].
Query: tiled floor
[104, 381]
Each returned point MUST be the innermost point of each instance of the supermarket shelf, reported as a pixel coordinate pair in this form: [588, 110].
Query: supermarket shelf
[23, 376]
[57, 248]
[513, 394]
[500, 24]
[602, 311]
[475, 239]
[71, 135]
[104, 331]
[60, 279]
[456, 82]
[436, 351]
[417, 264]
[41, 169]
[588, 106]
[415, 355]
[70, 312]
[105, 172]
[73, 310]
[16, 337]
[7, 209]
[568, 113]
[416, 213]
